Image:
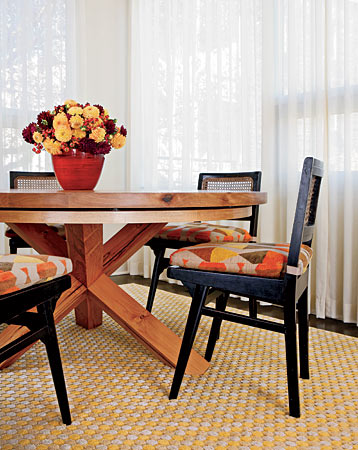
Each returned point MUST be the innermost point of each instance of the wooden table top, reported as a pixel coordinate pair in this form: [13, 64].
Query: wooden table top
[20, 206]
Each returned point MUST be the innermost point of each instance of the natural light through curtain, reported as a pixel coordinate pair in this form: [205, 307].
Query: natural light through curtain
[194, 105]
[237, 85]
[37, 72]
[196, 83]
[316, 113]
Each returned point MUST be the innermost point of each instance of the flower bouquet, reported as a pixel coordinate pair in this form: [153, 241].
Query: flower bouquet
[77, 136]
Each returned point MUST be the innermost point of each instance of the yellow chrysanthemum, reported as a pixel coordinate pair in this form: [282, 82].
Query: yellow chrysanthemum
[37, 137]
[90, 111]
[71, 102]
[75, 110]
[63, 134]
[60, 120]
[118, 141]
[105, 112]
[78, 133]
[76, 121]
[98, 134]
[51, 146]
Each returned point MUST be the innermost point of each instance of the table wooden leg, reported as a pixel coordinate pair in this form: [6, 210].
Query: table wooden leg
[92, 290]
[126, 242]
[85, 248]
[145, 327]
[41, 237]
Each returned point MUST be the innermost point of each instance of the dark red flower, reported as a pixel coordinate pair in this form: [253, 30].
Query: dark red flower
[103, 148]
[101, 109]
[28, 132]
[87, 145]
[110, 126]
[123, 131]
[45, 120]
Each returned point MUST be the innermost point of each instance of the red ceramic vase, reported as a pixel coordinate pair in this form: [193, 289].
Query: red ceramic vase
[77, 170]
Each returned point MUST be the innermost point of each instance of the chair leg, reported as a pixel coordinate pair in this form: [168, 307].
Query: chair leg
[13, 247]
[188, 338]
[157, 270]
[303, 335]
[54, 358]
[291, 360]
[253, 307]
[221, 303]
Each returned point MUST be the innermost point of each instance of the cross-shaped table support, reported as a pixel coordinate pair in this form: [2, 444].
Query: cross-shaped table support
[93, 291]
[84, 212]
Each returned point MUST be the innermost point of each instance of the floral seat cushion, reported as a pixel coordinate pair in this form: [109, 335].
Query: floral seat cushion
[203, 232]
[21, 271]
[57, 227]
[263, 260]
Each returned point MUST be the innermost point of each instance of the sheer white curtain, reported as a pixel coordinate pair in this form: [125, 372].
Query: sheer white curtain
[196, 84]
[194, 107]
[315, 110]
[238, 85]
[37, 61]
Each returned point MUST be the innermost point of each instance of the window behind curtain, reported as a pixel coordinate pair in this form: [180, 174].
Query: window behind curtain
[255, 84]
[37, 72]
[196, 90]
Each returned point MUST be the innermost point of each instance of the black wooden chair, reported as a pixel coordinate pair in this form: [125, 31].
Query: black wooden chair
[261, 278]
[32, 307]
[239, 181]
[28, 181]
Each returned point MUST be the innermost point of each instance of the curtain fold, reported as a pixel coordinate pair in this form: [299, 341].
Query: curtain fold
[236, 85]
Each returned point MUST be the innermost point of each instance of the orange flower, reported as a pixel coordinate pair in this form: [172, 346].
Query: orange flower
[60, 120]
[37, 137]
[76, 121]
[85, 127]
[63, 134]
[90, 111]
[71, 102]
[79, 134]
[118, 141]
[51, 146]
[75, 110]
[98, 134]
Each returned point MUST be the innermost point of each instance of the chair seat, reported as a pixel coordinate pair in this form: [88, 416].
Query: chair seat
[263, 260]
[21, 271]
[203, 232]
[59, 228]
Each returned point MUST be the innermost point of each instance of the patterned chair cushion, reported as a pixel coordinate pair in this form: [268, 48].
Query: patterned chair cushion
[203, 232]
[59, 228]
[263, 260]
[21, 271]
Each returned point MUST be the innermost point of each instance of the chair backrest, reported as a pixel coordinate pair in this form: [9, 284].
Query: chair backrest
[238, 181]
[33, 180]
[306, 208]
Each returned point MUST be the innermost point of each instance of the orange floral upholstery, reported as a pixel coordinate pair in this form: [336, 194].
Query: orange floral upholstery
[21, 271]
[263, 260]
[203, 232]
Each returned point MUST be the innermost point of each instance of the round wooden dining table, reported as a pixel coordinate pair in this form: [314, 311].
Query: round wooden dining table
[143, 214]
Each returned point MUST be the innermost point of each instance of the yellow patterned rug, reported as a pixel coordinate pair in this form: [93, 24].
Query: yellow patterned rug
[119, 393]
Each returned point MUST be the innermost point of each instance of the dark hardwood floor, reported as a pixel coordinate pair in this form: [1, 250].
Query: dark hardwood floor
[325, 324]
